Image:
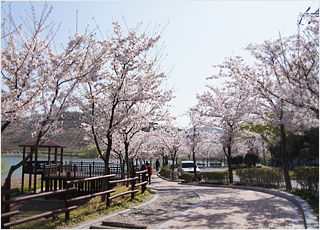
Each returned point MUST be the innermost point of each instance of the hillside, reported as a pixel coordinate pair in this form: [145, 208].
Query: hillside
[72, 138]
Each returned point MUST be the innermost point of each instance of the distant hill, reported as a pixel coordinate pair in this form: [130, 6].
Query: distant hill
[72, 137]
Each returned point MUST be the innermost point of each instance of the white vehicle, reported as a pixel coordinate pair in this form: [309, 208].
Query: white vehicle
[188, 167]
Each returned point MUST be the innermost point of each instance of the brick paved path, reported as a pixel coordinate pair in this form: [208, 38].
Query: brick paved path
[227, 208]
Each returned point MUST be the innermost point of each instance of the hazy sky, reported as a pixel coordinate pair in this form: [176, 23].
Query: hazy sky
[199, 33]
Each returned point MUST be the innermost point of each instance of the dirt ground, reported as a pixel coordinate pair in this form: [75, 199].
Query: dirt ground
[35, 206]
[39, 205]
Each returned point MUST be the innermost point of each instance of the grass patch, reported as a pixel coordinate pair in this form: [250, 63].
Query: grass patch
[310, 198]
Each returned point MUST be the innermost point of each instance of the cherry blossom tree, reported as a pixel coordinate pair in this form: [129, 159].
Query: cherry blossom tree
[196, 137]
[170, 140]
[254, 141]
[150, 148]
[227, 108]
[39, 83]
[22, 59]
[193, 138]
[285, 79]
[127, 91]
[266, 133]
[210, 148]
[129, 149]
[293, 61]
[268, 108]
[138, 117]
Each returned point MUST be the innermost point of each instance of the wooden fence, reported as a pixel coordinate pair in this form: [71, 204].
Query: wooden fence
[79, 169]
[5, 217]
[5, 203]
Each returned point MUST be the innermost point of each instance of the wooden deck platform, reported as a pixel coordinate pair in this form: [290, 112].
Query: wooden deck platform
[54, 176]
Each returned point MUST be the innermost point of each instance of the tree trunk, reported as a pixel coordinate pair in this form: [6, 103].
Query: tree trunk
[166, 161]
[15, 167]
[194, 165]
[106, 167]
[126, 148]
[285, 158]
[122, 167]
[5, 125]
[172, 174]
[229, 159]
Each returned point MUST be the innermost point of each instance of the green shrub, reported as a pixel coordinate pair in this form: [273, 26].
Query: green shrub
[308, 177]
[167, 173]
[215, 177]
[251, 158]
[238, 166]
[188, 177]
[260, 176]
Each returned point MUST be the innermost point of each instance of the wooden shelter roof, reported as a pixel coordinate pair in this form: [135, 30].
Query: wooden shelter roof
[43, 144]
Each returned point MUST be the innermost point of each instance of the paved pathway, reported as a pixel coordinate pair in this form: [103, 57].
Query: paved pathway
[230, 208]
[174, 207]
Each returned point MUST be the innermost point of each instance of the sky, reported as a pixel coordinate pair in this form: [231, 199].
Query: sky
[196, 35]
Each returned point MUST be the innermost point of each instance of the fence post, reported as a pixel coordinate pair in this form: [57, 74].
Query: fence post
[67, 213]
[108, 194]
[60, 181]
[133, 183]
[6, 197]
[75, 171]
[90, 170]
[143, 180]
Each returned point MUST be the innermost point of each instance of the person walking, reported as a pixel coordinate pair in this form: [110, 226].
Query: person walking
[149, 168]
[157, 165]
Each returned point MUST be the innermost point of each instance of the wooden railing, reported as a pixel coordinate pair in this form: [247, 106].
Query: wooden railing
[5, 217]
[133, 185]
[29, 167]
[51, 170]
[143, 181]
[83, 168]
[92, 179]
[7, 213]
[80, 169]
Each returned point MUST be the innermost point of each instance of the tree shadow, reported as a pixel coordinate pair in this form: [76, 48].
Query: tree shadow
[233, 208]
